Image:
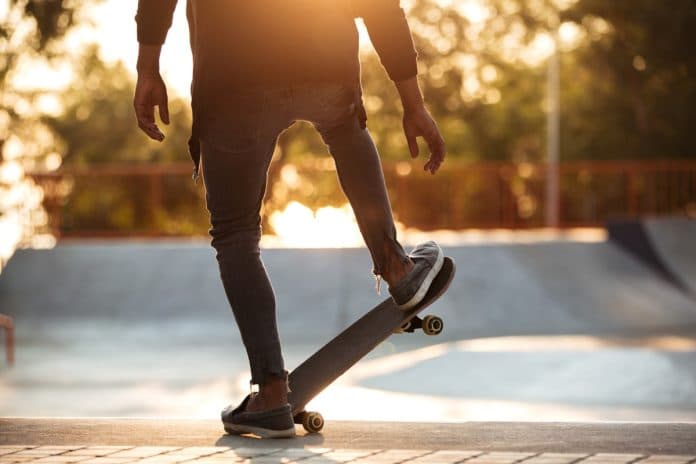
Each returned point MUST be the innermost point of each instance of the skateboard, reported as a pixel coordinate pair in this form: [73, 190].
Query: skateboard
[351, 345]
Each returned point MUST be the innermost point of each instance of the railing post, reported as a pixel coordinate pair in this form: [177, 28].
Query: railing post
[631, 187]
[155, 195]
[553, 130]
[505, 175]
[8, 324]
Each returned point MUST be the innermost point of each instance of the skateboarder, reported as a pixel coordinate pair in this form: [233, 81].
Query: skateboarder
[258, 67]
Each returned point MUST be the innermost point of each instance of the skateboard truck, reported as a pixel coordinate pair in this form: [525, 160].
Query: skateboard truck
[430, 324]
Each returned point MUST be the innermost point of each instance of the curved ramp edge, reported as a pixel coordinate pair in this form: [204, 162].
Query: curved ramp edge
[655, 247]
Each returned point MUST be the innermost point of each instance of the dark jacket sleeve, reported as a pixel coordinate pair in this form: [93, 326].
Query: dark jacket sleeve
[154, 17]
[389, 32]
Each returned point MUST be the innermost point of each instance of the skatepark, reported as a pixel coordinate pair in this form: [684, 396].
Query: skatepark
[554, 351]
[556, 330]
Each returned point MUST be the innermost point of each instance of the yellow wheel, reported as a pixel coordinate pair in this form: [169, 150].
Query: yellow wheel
[313, 422]
[432, 325]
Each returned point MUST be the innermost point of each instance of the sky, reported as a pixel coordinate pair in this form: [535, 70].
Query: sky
[115, 32]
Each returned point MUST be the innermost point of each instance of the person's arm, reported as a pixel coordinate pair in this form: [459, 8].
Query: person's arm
[389, 33]
[391, 36]
[154, 17]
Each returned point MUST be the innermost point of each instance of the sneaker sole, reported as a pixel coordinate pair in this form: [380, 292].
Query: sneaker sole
[425, 285]
[239, 429]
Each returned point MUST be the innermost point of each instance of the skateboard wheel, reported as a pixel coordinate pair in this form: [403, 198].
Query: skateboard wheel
[432, 325]
[312, 422]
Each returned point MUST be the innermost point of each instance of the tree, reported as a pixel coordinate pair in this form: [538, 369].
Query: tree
[97, 126]
[30, 34]
[633, 92]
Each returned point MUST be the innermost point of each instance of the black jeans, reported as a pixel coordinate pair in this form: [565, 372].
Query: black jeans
[237, 146]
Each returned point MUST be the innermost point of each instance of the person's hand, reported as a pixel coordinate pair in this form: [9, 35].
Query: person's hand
[418, 123]
[150, 91]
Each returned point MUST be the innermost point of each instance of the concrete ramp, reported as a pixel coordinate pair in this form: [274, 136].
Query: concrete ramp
[675, 241]
[545, 288]
[666, 245]
[560, 288]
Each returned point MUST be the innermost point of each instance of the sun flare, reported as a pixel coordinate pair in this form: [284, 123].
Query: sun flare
[328, 227]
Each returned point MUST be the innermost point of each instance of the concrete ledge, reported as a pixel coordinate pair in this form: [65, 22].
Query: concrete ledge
[586, 438]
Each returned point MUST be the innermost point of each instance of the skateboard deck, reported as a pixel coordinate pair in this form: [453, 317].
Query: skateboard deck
[351, 345]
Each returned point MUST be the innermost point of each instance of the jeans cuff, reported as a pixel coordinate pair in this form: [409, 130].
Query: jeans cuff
[261, 376]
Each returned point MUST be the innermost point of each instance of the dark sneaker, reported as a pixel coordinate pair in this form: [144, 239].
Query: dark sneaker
[427, 259]
[274, 423]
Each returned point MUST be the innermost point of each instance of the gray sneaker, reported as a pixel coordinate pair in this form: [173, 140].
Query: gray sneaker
[427, 259]
[274, 423]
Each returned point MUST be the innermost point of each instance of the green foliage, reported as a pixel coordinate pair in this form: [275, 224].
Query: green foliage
[53, 18]
[610, 108]
[98, 123]
[30, 33]
[98, 127]
[631, 93]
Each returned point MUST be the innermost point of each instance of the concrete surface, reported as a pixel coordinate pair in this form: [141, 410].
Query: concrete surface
[630, 438]
[220, 454]
[411, 377]
[622, 379]
[146, 325]
[675, 241]
[548, 288]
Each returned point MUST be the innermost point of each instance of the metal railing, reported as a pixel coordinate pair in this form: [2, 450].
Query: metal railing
[161, 199]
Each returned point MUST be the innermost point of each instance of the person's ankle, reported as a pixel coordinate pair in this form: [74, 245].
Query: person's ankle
[397, 271]
[273, 394]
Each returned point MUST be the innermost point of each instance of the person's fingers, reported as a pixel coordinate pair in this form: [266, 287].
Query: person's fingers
[412, 144]
[164, 110]
[145, 113]
[436, 144]
[154, 133]
[151, 130]
[439, 149]
[146, 98]
[164, 113]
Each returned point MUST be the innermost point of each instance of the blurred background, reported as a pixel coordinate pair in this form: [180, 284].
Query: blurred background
[567, 199]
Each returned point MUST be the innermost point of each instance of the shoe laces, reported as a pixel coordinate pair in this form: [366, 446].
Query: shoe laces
[378, 284]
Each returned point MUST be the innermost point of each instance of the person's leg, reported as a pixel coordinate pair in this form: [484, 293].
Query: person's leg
[237, 146]
[360, 174]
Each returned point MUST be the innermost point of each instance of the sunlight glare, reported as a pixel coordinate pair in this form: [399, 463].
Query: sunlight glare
[13, 148]
[11, 172]
[32, 74]
[10, 236]
[474, 10]
[570, 35]
[297, 226]
[328, 227]
[541, 47]
[114, 30]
